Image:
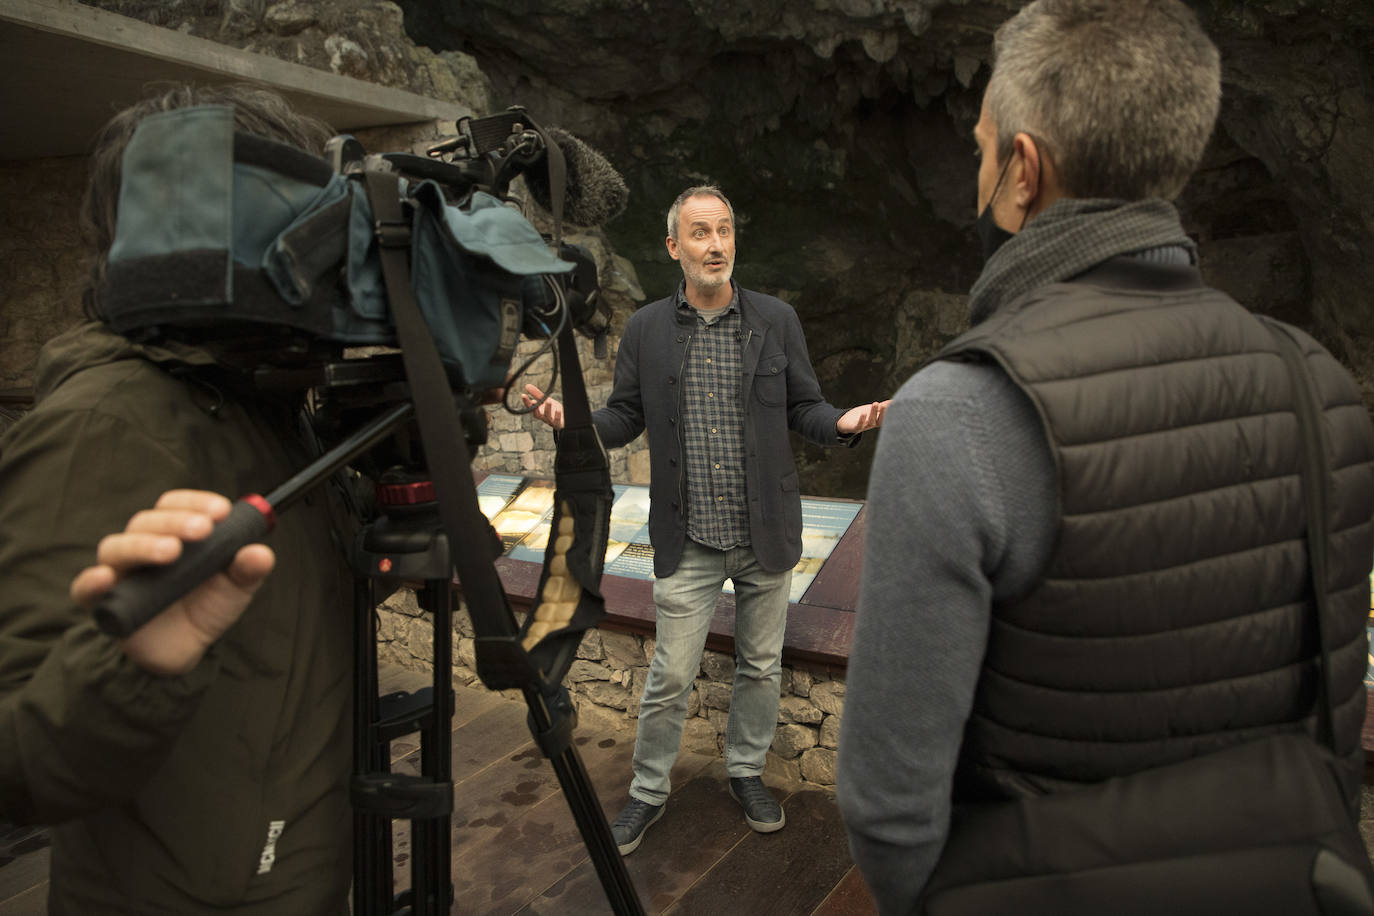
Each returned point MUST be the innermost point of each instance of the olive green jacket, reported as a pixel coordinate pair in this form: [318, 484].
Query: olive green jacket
[223, 790]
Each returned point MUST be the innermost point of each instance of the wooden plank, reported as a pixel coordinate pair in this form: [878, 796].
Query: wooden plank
[24, 856]
[849, 898]
[468, 703]
[790, 871]
[32, 902]
[701, 824]
[518, 836]
[818, 635]
[471, 702]
[544, 848]
[478, 744]
[475, 747]
[24, 871]
[541, 848]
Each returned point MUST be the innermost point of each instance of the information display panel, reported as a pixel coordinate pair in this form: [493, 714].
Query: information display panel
[520, 509]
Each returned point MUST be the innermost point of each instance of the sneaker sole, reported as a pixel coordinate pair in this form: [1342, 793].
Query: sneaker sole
[761, 826]
[631, 846]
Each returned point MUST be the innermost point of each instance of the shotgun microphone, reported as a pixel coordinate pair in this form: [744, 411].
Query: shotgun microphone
[595, 191]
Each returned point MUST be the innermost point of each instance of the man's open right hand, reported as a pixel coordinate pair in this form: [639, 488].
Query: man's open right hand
[550, 412]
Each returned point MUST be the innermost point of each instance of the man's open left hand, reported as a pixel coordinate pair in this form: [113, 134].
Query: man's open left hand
[865, 416]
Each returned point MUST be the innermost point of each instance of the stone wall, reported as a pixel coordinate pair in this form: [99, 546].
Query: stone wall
[519, 444]
[42, 263]
[607, 680]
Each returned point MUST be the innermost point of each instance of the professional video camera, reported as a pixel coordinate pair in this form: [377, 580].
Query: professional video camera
[285, 264]
[274, 251]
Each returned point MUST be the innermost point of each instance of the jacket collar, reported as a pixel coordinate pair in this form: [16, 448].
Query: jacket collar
[93, 344]
[751, 316]
[1126, 272]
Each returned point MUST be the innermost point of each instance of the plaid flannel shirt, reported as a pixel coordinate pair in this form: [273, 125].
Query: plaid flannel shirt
[713, 429]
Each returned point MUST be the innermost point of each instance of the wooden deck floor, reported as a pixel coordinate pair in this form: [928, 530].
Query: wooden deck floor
[516, 849]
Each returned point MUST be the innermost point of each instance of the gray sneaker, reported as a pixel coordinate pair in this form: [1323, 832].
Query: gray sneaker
[635, 818]
[761, 809]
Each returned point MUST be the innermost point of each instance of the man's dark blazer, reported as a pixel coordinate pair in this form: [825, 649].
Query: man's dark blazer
[779, 392]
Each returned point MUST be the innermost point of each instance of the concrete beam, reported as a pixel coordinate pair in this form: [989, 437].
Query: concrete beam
[69, 67]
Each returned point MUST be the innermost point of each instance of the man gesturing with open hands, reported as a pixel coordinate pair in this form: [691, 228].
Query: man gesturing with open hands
[717, 376]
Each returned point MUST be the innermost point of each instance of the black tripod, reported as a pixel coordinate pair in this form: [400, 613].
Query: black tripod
[407, 542]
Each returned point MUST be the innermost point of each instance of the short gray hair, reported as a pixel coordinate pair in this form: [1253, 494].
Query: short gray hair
[1121, 94]
[702, 190]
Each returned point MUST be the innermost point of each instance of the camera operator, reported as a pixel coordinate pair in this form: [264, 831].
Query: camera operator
[200, 764]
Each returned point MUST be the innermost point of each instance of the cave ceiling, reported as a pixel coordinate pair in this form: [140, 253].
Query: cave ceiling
[841, 131]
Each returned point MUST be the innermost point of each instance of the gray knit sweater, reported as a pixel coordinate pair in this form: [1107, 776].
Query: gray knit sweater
[961, 511]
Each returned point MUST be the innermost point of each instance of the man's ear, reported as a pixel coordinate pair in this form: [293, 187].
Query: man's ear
[1029, 170]
[672, 247]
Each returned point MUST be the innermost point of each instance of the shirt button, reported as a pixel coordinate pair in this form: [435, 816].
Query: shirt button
[717, 467]
[708, 359]
[775, 370]
[720, 499]
[671, 380]
[710, 394]
[713, 429]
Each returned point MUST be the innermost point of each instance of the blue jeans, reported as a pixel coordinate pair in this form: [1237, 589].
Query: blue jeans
[685, 602]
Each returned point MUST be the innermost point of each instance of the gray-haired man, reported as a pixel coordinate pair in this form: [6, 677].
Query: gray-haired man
[1087, 558]
[717, 375]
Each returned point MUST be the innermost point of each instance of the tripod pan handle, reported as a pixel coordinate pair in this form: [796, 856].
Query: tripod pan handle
[145, 592]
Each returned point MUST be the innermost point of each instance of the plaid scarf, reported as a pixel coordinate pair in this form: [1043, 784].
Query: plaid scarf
[1071, 236]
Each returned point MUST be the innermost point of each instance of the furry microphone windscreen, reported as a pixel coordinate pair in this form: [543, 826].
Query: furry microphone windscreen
[596, 192]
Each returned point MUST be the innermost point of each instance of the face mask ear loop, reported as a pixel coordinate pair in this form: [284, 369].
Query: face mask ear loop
[1026, 215]
[997, 187]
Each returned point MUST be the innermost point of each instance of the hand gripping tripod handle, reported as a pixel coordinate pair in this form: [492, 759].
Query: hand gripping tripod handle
[145, 592]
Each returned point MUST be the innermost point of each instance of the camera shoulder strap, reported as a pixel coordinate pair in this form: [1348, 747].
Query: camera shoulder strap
[1315, 491]
[503, 660]
[445, 446]
[568, 598]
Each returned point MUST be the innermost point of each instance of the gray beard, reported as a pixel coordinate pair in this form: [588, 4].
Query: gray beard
[708, 282]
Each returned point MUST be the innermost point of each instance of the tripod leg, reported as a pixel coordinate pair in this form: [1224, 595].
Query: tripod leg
[555, 741]
[596, 833]
[372, 874]
[431, 838]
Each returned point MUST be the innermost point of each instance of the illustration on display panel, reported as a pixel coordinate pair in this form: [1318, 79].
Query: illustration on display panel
[520, 508]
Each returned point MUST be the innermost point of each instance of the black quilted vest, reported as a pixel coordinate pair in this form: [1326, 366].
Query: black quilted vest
[1175, 616]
